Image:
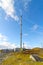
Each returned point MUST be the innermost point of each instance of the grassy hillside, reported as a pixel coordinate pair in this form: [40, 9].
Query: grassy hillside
[20, 59]
[39, 51]
[0, 51]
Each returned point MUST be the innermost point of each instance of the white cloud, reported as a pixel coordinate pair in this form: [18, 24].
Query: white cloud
[25, 34]
[26, 2]
[35, 27]
[7, 45]
[4, 44]
[8, 7]
[3, 37]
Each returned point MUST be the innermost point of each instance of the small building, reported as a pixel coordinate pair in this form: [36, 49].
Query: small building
[35, 57]
[31, 57]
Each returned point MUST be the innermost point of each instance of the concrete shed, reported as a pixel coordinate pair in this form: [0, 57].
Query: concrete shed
[35, 57]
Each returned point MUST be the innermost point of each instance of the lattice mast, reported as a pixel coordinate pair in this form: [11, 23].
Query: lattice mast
[20, 31]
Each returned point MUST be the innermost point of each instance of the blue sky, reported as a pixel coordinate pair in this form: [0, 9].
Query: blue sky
[32, 23]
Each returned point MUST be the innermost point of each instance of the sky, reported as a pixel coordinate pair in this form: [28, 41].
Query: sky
[32, 23]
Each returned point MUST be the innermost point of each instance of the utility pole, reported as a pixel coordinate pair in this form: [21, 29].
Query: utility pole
[20, 32]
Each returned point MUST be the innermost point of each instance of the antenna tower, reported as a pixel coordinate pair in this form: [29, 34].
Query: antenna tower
[21, 32]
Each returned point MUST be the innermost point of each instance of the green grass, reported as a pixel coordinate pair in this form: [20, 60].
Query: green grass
[20, 59]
